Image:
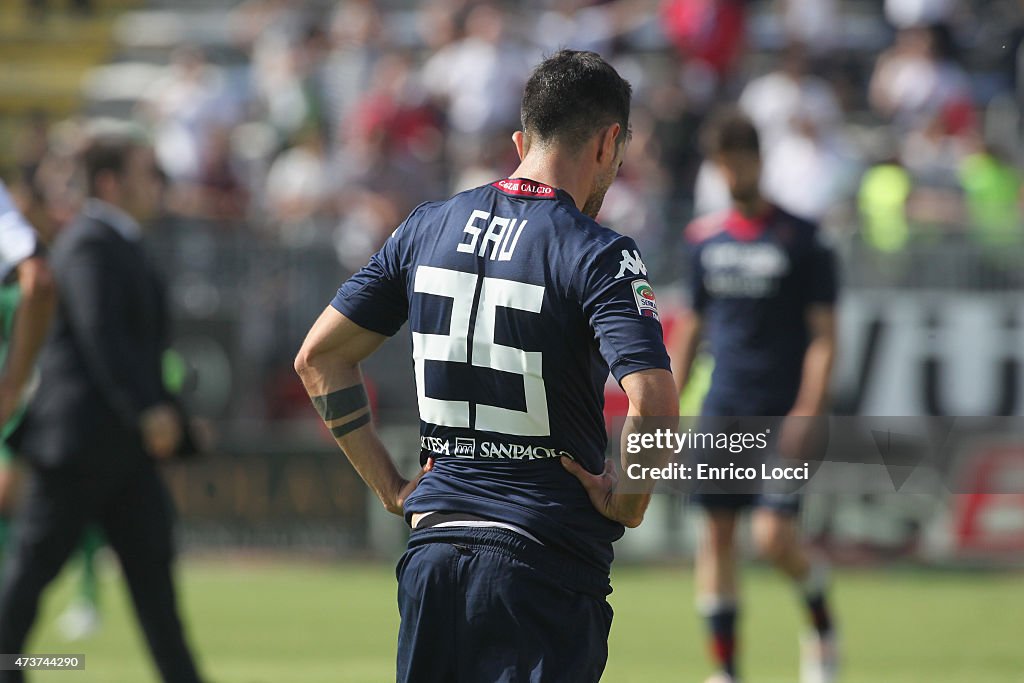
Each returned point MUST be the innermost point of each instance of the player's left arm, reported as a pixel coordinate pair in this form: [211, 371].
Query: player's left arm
[31, 322]
[821, 283]
[653, 406]
[800, 430]
[812, 398]
[623, 313]
[328, 364]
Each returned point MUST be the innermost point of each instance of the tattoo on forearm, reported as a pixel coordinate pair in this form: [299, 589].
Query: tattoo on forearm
[350, 426]
[340, 403]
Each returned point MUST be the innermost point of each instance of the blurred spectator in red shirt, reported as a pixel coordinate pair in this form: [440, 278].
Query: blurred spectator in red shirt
[708, 31]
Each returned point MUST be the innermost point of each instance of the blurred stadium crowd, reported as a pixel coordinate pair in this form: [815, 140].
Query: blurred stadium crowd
[325, 123]
[294, 136]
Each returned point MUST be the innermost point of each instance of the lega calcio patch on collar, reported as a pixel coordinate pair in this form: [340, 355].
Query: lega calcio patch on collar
[646, 301]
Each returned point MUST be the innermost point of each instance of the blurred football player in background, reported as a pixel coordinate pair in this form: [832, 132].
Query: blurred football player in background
[763, 294]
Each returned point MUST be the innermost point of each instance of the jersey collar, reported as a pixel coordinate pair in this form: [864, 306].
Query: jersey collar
[123, 224]
[526, 188]
[746, 228]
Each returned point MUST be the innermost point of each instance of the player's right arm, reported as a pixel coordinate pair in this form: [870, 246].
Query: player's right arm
[682, 348]
[686, 335]
[328, 364]
[31, 322]
[19, 250]
[370, 307]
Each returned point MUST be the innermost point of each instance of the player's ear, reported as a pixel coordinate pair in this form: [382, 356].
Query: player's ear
[608, 143]
[519, 140]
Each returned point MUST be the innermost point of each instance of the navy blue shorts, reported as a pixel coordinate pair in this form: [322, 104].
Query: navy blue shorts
[786, 504]
[486, 605]
[737, 496]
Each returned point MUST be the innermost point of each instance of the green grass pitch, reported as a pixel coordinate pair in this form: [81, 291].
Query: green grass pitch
[270, 621]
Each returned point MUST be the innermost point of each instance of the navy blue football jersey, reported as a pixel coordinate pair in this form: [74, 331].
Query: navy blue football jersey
[752, 281]
[519, 305]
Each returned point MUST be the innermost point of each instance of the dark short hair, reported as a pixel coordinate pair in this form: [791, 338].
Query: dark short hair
[572, 95]
[106, 155]
[730, 130]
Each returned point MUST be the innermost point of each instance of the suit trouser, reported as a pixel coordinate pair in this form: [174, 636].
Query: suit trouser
[133, 508]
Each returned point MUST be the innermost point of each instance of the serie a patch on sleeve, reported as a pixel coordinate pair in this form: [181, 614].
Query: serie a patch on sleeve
[646, 302]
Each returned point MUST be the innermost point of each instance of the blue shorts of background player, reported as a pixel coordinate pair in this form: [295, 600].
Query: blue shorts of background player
[739, 496]
[786, 504]
[467, 594]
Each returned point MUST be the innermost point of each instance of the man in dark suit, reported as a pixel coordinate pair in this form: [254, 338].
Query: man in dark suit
[101, 415]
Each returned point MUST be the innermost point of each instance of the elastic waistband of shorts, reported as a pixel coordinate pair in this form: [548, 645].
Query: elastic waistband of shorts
[572, 573]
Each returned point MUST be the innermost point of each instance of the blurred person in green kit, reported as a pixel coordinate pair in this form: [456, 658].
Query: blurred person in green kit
[82, 618]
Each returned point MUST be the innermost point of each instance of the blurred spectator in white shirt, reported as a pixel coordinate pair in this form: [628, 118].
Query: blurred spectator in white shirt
[298, 189]
[185, 107]
[805, 176]
[589, 24]
[575, 24]
[910, 13]
[792, 100]
[478, 82]
[800, 122]
[913, 81]
[813, 23]
[283, 39]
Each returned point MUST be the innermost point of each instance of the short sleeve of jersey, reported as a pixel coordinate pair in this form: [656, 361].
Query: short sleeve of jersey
[823, 280]
[375, 298]
[17, 238]
[620, 307]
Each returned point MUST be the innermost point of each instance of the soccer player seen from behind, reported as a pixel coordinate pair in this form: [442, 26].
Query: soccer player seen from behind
[519, 304]
[763, 295]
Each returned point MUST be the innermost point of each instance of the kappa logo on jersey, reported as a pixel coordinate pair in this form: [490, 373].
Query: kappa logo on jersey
[646, 302]
[631, 263]
[465, 448]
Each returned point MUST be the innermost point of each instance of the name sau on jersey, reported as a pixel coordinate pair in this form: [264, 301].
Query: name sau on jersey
[500, 237]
